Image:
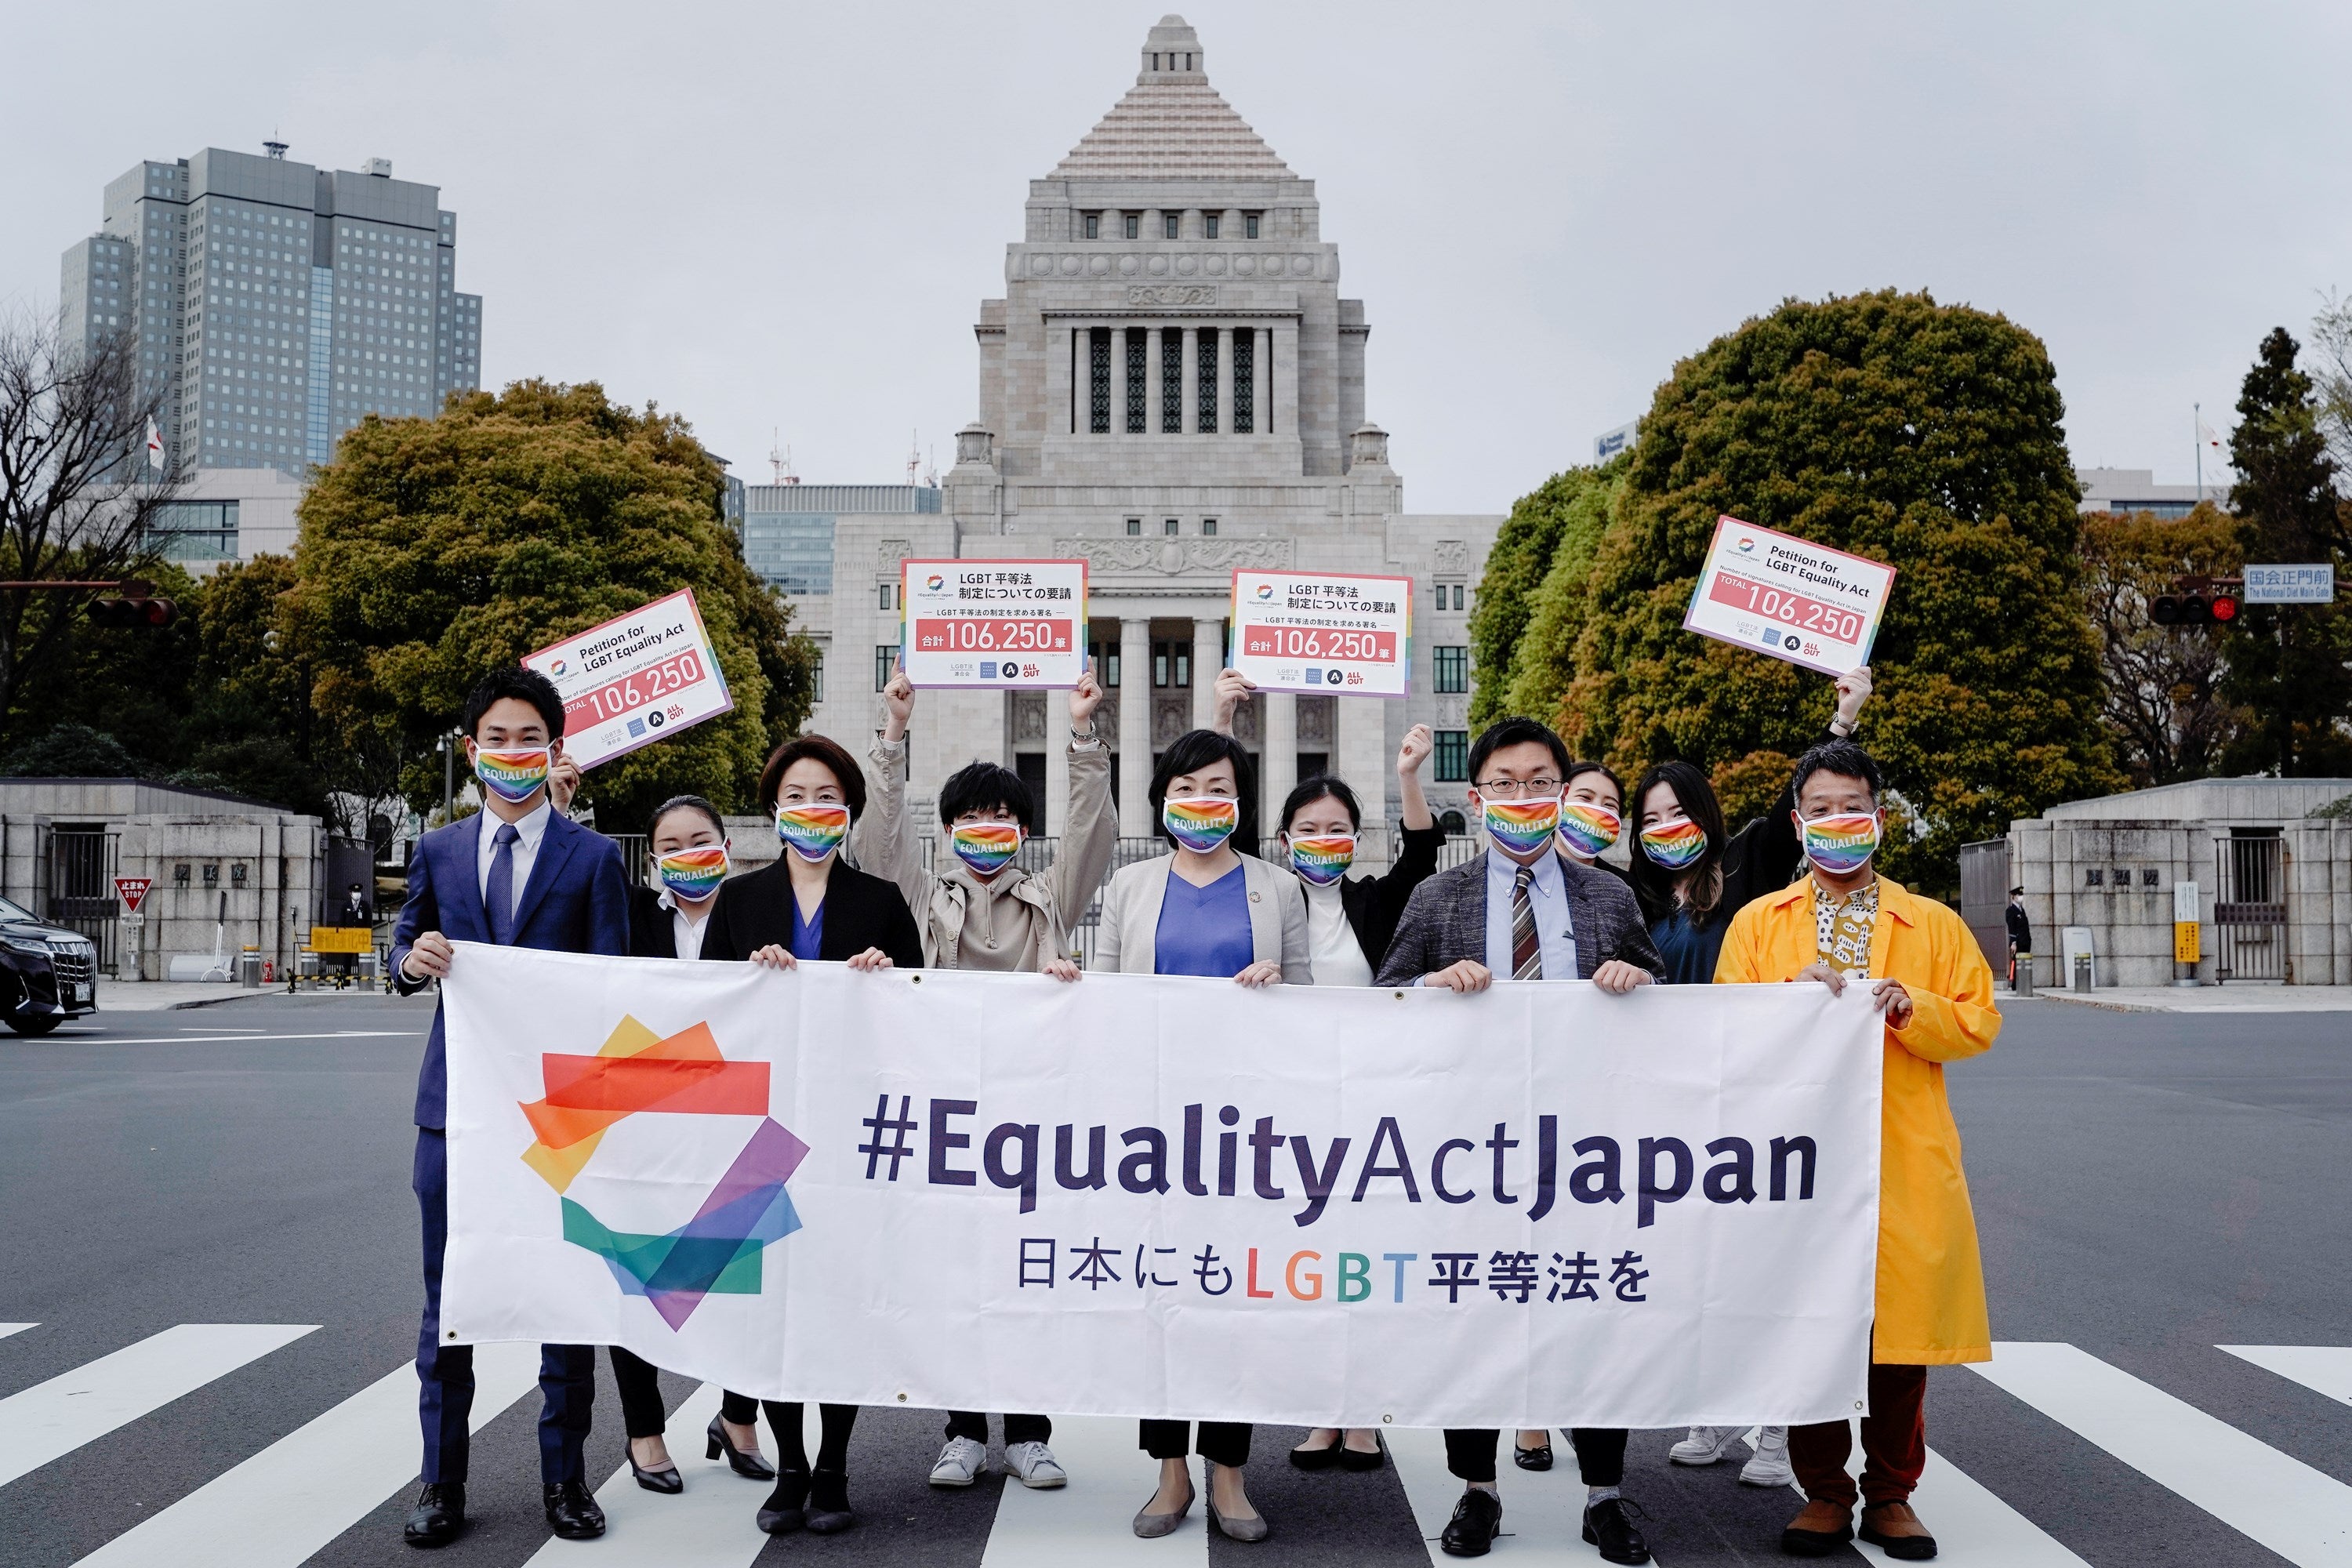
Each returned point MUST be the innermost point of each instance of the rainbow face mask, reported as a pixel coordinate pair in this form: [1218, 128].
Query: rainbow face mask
[1841, 842]
[1522, 824]
[1202, 822]
[1674, 845]
[693, 875]
[1588, 827]
[813, 830]
[515, 774]
[1322, 858]
[986, 846]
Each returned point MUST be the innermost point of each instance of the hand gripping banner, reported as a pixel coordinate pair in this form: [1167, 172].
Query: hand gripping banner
[1131, 1196]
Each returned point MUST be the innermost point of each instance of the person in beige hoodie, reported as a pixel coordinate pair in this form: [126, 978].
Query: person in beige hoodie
[982, 909]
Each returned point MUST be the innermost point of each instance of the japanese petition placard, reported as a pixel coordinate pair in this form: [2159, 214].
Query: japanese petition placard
[979, 621]
[1788, 597]
[1157, 1196]
[634, 680]
[1324, 631]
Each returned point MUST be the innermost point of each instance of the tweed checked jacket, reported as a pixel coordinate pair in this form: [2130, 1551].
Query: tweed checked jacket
[1444, 921]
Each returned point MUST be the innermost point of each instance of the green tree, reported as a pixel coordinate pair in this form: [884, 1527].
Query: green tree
[1545, 652]
[1922, 434]
[2288, 667]
[2163, 701]
[433, 550]
[129, 683]
[1516, 566]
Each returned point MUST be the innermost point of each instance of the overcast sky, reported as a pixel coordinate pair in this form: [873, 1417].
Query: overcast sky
[783, 216]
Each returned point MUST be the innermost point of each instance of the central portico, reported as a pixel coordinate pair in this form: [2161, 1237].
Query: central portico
[1171, 388]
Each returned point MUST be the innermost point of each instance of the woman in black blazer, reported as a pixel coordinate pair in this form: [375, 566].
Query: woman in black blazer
[808, 905]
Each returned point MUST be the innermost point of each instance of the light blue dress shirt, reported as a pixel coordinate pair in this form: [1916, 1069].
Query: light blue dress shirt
[1555, 929]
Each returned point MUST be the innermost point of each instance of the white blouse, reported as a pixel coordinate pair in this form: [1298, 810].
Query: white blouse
[1332, 950]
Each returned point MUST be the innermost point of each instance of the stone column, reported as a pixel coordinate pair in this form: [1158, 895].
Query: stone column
[1208, 657]
[1119, 381]
[1134, 724]
[1282, 408]
[1192, 373]
[1152, 350]
[1280, 756]
[1054, 809]
[1361, 756]
[1225, 379]
[1061, 405]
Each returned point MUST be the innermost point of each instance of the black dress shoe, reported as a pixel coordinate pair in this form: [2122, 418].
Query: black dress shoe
[1477, 1520]
[1318, 1459]
[439, 1516]
[1607, 1527]
[828, 1503]
[571, 1513]
[1536, 1458]
[666, 1479]
[785, 1510]
[1352, 1460]
[751, 1466]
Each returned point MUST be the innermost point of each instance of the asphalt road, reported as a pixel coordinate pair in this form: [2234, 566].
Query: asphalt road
[2148, 1188]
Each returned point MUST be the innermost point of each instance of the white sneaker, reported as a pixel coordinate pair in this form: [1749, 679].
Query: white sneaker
[1033, 1465]
[1704, 1445]
[961, 1463]
[1770, 1467]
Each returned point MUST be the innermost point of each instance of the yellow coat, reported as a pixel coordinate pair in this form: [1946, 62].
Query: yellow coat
[1931, 1298]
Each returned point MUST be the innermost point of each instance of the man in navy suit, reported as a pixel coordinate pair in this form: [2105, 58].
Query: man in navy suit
[520, 874]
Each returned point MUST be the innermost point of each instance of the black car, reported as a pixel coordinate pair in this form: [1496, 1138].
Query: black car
[47, 974]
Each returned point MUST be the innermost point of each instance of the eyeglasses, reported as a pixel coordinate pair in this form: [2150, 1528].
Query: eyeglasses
[1511, 789]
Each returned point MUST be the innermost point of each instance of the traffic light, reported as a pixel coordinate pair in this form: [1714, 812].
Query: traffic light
[138, 607]
[2197, 602]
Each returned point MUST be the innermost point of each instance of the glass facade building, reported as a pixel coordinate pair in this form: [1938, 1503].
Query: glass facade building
[788, 529]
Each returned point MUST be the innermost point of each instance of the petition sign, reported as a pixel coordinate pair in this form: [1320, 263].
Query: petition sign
[1790, 597]
[993, 623]
[634, 680]
[1324, 631]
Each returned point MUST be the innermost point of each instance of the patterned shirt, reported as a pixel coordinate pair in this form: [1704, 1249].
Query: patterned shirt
[1841, 927]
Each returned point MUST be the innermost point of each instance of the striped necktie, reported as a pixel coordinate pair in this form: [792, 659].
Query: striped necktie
[1526, 948]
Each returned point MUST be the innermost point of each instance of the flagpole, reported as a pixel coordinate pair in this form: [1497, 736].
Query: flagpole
[2197, 412]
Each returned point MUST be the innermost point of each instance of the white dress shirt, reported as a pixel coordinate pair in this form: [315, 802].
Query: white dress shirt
[1555, 929]
[1332, 951]
[533, 829]
[684, 930]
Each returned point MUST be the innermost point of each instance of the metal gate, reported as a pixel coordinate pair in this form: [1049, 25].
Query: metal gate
[77, 868]
[2249, 909]
[1984, 898]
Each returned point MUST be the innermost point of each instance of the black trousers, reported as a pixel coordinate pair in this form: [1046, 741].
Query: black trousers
[1225, 1443]
[641, 1401]
[973, 1424]
[1599, 1452]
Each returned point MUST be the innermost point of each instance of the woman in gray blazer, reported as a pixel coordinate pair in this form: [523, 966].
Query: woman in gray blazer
[1210, 908]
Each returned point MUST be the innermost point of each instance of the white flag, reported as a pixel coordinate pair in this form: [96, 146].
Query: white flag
[2209, 441]
[154, 446]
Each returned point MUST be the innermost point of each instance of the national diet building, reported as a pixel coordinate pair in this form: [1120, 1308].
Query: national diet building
[1172, 386]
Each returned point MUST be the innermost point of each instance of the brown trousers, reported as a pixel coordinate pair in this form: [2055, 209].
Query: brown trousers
[1893, 1443]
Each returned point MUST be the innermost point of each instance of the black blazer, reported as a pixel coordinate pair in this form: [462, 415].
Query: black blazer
[1375, 904]
[652, 933]
[860, 911]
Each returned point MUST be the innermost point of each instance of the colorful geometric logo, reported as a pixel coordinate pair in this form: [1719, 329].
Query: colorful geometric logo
[636, 1071]
[935, 582]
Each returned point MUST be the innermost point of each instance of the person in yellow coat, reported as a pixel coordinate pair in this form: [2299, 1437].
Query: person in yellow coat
[1843, 923]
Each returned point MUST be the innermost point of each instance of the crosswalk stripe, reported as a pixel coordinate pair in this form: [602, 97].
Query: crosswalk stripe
[2302, 1515]
[708, 1525]
[7, 1329]
[2324, 1369]
[56, 1417]
[279, 1507]
[1973, 1528]
[1543, 1514]
[1092, 1519]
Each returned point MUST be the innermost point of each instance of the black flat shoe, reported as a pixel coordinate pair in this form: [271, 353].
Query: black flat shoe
[1359, 1461]
[439, 1516]
[828, 1503]
[785, 1510]
[1607, 1527]
[1317, 1459]
[571, 1513]
[1538, 1458]
[665, 1480]
[751, 1466]
[1477, 1520]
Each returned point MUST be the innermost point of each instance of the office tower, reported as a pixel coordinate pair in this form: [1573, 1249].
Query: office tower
[276, 304]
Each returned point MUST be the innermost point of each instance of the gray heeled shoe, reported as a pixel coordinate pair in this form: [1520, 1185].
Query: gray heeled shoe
[1151, 1526]
[1233, 1528]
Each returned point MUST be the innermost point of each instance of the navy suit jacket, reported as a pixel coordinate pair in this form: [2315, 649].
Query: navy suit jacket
[577, 900]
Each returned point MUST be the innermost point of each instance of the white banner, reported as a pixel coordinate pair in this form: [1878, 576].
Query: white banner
[1135, 1195]
[988, 622]
[1790, 597]
[1342, 632]
[634, 680]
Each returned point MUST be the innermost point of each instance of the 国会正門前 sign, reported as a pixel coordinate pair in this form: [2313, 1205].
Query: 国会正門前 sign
[1006, 623]
[1346, 632]
[1788, 597]
[635, 679]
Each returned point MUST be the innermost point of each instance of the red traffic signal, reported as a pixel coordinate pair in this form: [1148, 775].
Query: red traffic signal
[2224, 607]
[2196, 601]
[138, 607]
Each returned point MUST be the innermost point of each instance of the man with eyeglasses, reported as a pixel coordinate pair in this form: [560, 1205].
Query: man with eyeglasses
[1523, 910]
